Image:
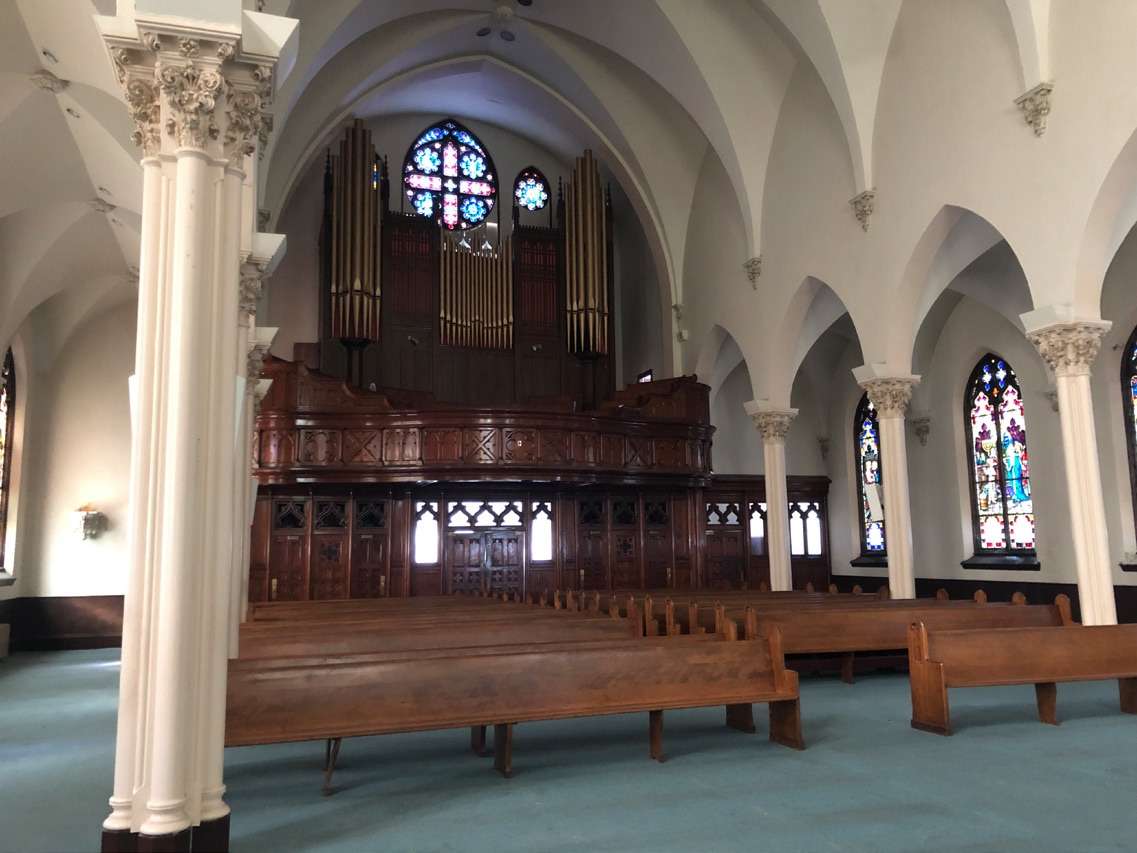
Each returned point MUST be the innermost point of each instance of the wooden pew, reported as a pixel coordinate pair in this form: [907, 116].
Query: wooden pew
[284, 700]
[290, 640]
[940, 659]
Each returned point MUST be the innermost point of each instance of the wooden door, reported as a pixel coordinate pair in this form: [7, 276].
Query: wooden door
[724, 558]
[465, 562]
[288, 550]
[505, 558]
[369, 565]
[658, 569]
[592, 559]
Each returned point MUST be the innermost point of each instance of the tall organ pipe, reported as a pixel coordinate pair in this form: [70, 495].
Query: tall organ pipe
[476, 294]
[355, 285]
[586, 260]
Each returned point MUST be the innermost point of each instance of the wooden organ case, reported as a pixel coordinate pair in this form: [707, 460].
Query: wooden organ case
[457, 425]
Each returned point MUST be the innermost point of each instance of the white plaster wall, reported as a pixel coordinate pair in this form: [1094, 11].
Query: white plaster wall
[79, 453]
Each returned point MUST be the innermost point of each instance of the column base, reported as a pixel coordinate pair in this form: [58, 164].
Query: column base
[119, 841]
[211, 836]
[178, 842]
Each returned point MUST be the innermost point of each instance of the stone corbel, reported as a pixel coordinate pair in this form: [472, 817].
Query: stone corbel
[48, 82]
[1052, 398]
[863, 205]
[922, 427]
[753, 269]
[823, 447]
[1035, 106]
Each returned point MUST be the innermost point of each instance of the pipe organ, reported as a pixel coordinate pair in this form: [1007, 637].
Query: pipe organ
[354, 238]
[586, 260]
[464, 316]
[476, 294]
[457, 426]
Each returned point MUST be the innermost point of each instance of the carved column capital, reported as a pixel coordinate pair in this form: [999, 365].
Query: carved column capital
[1070, 348]
[195, 92]
[255, 361]
[774, 424]
[891, 395]
[252, 284]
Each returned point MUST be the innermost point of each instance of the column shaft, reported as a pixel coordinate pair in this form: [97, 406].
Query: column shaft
[1087, 506]
[897, 506]
[777, 514]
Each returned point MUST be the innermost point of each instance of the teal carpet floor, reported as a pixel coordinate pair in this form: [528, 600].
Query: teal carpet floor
[866, 782]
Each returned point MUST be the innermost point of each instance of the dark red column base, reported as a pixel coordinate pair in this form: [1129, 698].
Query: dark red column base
[119, 841]
[178, 842]
[211, 836]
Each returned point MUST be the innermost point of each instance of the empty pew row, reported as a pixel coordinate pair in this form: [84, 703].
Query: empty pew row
[940, 658]
[279, 700]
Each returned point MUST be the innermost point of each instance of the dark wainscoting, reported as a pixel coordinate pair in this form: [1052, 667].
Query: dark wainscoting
[63, 622]
[1036, 592]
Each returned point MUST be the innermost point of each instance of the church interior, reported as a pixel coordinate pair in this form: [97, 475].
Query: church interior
[442, 425]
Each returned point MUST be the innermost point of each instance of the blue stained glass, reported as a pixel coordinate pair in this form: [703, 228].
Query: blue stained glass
[449, 176]
[473, 166]
[424, 204]
[869, 486]
[427, 160]
[474, 209]
[531, 189]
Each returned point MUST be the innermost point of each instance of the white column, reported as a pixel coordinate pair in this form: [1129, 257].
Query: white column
[890, 396]
[1070, 348]
[774, 424]
[196, 101]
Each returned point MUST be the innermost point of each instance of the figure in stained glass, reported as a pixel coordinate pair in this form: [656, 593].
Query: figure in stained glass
[866, 430]
[1002, 507]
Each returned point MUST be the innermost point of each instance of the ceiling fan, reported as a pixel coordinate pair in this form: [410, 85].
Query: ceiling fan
[502, 18]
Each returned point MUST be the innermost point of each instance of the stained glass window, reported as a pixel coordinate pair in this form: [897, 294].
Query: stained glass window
[1129, 396]
[7, 417]
[449, 177]
[1002, 510]
[866, 435]
[531, 190]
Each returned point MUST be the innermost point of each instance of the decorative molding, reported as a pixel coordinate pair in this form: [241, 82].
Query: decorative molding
[1035, 106]
[922, 426]
[101, 205]
[774, 424]
[252, 283]
[753, 268]
[891, 395]
[255, 361]
[823, 447]
[48, 82]
[244, 124]
[1070, 348]
[863, 205]
[192, 94]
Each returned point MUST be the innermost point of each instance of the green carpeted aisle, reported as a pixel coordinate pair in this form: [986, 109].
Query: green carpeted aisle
[867, 781]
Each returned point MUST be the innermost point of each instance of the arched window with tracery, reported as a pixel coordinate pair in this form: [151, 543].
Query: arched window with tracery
[1001, 507]
[531, 190]
[1129, 406]
[866, 443]
[449, 176]
[7, 419]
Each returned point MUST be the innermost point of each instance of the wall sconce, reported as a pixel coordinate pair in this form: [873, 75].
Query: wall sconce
[89, 521]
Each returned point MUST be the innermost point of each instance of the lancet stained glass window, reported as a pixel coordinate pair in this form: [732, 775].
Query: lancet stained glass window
[1129, 406]
[7, 417]
[866, 434]
[531, 190]
[448, 176]
[1002, 509]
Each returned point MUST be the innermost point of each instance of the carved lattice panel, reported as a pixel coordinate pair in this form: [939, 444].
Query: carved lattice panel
[480, 446]
[670, 453]
[519, 445]
[442, 445]
[585, 448]
[400, 446]
[612, 451]
[638, 452]
[361, 446]
[319, 446]
[554, 446]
